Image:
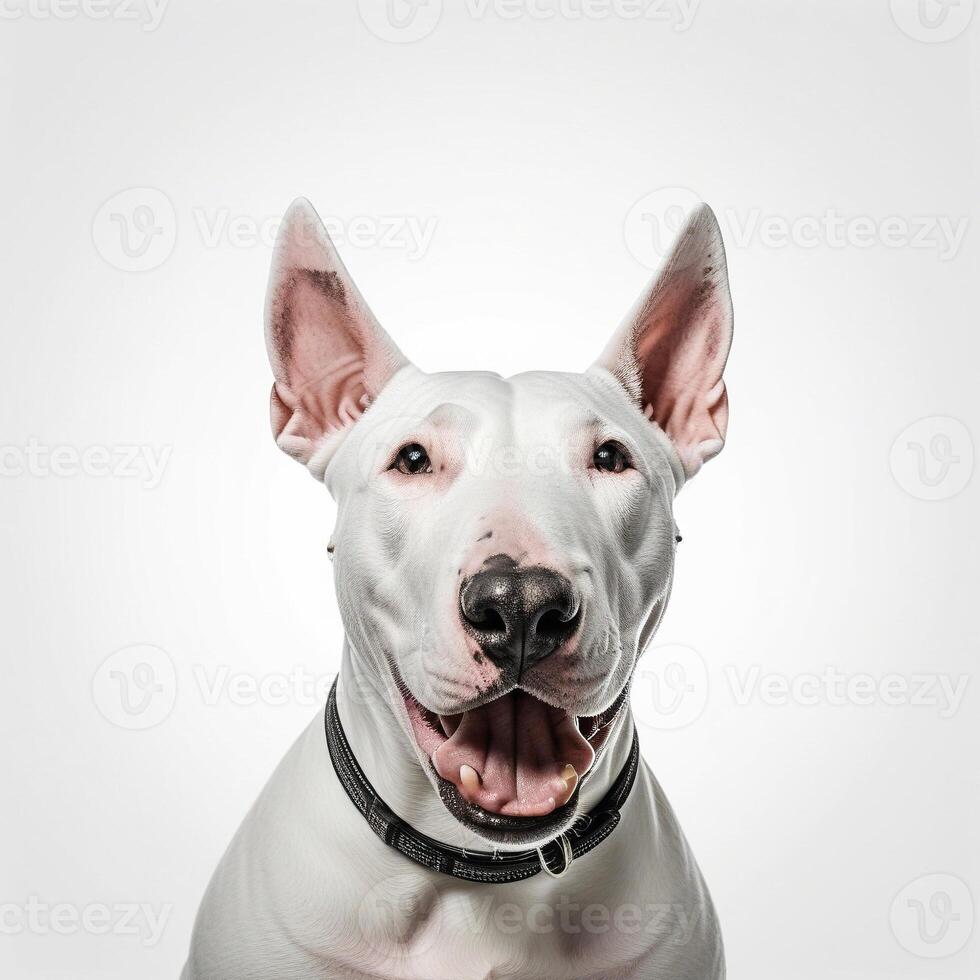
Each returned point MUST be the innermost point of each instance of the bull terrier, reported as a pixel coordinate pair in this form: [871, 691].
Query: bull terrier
[471, 803]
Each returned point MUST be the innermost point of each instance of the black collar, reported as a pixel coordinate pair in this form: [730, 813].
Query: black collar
[589, 830]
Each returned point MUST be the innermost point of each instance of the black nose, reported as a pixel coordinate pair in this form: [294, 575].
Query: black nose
[518, 616]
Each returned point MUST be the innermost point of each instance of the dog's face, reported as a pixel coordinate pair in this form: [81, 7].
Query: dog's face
[504, 547]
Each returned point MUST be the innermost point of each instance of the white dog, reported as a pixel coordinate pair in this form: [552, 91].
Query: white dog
[472, 805]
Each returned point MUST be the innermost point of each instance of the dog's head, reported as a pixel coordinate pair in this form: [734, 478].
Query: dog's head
[504, 548]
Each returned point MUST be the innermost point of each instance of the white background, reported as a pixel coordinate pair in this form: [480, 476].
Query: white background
[527, 139]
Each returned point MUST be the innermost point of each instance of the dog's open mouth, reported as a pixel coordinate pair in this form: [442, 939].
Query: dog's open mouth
[512, 767]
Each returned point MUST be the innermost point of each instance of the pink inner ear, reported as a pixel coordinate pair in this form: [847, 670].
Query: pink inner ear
[329, 356]
[320, 356]
[681, 351]
[671, 351]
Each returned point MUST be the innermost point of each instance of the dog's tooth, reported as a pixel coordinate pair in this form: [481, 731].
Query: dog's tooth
[570, 776]
[470, 780]
[569, 779]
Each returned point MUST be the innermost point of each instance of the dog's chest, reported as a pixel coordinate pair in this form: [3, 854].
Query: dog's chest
[412, 925]
[623, 912]
[307, 891]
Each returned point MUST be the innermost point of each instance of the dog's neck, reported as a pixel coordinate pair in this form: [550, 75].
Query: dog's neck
[388, 758]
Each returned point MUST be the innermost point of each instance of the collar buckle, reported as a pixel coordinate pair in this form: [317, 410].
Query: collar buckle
[565, 854]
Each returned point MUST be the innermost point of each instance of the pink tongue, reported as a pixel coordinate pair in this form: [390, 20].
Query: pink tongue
[519, 747]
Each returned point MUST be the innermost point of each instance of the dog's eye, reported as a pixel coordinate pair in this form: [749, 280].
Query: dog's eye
[411, 460]
[610, 457]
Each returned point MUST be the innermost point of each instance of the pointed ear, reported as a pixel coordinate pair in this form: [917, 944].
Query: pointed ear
[671, 350]
[329, 356]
